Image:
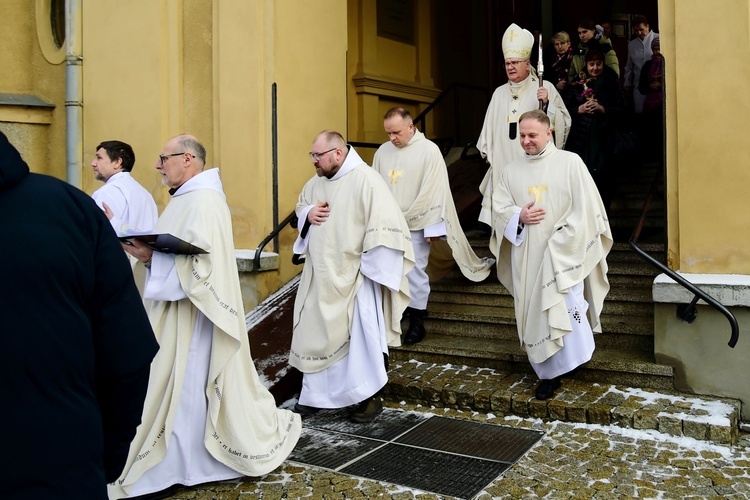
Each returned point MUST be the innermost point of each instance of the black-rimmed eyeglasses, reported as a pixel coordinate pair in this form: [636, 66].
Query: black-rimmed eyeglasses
[164, 158]
[316, 156]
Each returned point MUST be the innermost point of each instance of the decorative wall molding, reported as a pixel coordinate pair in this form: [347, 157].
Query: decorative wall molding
[25, 108]
[381, 86]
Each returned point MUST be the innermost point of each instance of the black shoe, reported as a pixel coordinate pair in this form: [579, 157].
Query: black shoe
[546, 388]
[416, 332]
[305, 410]
[367, 410]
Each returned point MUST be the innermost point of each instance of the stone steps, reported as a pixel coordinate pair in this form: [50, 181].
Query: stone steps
[506, 393]
[609, 364]
[474, 324]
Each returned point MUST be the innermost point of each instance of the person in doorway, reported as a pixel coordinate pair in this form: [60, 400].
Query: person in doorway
[639, 51]
[77, 344]
[651, 85]
[556, 238]
[591, 37]
[596, 103]
[207, 417]
[498, 141]
[415, 172]
[353, 290]
[559, 63]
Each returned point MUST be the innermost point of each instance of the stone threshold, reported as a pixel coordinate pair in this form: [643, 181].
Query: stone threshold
[504, 394]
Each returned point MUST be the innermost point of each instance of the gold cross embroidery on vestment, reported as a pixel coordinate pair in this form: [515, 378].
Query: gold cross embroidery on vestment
[394, 175]
[537, 192]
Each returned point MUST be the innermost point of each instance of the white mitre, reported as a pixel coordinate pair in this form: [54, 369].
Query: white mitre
[517, 43]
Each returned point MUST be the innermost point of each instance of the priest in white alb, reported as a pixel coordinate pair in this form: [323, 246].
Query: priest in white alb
[207, 417]
[353, 288]
[498, 140]
[415, 171]
[555, 240]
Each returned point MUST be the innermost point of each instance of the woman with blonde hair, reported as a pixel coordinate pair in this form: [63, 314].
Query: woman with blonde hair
[559, 63]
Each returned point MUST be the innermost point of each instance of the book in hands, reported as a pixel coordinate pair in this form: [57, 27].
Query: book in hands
[165, 242]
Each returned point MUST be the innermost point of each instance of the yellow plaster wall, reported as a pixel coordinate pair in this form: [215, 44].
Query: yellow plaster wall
[383, 73]
[207, 68]
[309, 67]
[38, 134]
[708, 179]
[131, 73]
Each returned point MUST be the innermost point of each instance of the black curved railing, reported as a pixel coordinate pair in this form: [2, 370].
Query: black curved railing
[290, 219]
[420, 119]
[686, 312]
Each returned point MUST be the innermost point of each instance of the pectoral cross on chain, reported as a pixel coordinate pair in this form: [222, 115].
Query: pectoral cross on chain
[537, 192]
[394, 175]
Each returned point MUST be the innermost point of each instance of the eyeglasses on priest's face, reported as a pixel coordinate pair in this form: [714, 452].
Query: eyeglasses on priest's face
[513, 64]
[318, 156]
[164, 158]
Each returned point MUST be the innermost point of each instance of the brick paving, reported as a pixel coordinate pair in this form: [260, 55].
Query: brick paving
[600, 442]
[572, 460]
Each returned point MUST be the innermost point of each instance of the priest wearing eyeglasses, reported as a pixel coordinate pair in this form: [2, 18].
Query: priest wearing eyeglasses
[207, 417]
[353, 288]
[498, 142]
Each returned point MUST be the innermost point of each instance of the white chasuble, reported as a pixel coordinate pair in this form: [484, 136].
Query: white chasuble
[363, 217]
[243, 429]
[546, 260]
[418, 178]
[495, 143]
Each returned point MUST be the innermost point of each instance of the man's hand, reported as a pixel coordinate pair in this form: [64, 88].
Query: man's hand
[108, 211]
[542, 95]
[531, 215]
[318, 214]
[139, 250]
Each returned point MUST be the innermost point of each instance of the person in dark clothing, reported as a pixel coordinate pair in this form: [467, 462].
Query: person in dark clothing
[591, 37]
[595, 102]
[651, 86]
[77, 344]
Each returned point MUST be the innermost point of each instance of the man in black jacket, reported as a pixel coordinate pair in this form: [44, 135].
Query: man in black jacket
[76, 342]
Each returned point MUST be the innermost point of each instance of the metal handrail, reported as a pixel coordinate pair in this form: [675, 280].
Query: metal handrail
[290, 219]
[420, 118]
[684, 312]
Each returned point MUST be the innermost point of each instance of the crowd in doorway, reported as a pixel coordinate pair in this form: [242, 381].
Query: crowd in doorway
[613, 88]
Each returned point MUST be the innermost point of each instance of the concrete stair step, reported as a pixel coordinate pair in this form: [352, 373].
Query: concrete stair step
[487, 332]
[506, 393]
[611, 323]
[630, 303]
[635, 368]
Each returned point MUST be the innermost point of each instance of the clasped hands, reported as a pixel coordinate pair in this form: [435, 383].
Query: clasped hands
[590, 107]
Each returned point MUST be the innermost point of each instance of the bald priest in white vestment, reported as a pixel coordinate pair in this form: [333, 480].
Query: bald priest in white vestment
[555, 240]
[498, 140]
[353, 288]
[207, 417]
[415, 171]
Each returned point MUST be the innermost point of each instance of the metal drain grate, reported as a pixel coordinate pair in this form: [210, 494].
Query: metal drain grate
[442, 455]
[387, 426]
[430, 470]
[330, 450]
[492, 442]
